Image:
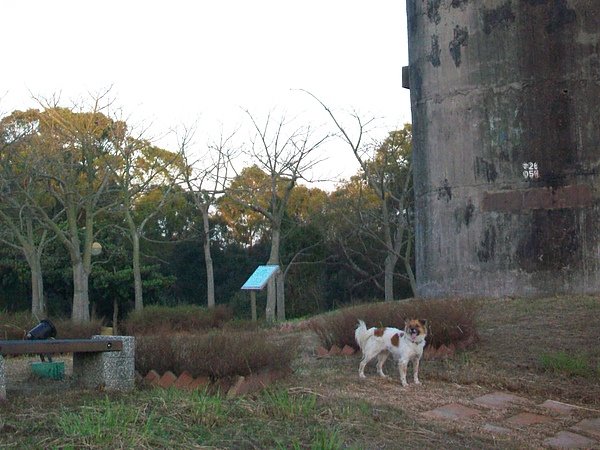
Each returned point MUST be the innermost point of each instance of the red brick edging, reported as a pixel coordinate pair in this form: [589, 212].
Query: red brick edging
[240, 386]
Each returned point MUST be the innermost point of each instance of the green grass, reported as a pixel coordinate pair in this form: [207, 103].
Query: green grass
[276, 418]
[568, 364]
[104, 422]
[327, 440]
[283, 404]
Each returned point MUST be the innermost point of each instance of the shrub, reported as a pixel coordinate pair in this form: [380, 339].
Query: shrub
[66, 329]
[216, 354]
[16, 325]
[450, 321]
[156, 319]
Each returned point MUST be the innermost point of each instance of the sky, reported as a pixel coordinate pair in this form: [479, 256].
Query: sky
[171, 64]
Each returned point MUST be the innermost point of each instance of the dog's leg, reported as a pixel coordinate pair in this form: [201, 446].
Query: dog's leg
[381, 358]
[363, 363]
[402, 368]
[416, 370]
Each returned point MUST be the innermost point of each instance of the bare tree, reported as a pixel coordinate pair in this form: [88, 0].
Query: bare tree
[395, 214]
[286, 154]
[205, 177]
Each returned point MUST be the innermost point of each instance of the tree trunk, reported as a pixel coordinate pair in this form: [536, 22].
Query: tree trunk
[210, 278]
[391, 257]
[389, 266]
[271, 295]
[81, 302]
[279, 279]
[253, 305]
[33, 257]
[137, 272]
[38, 304]
[115, 316]
[272, 286]
[408, 267]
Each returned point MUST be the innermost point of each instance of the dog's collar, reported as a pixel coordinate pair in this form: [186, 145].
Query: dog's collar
[407, 337]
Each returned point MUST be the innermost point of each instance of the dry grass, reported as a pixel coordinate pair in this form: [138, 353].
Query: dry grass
[216, 354]
[203, 342]
[516, 334]
[324, 401]
[544, 348]
[16, 325]
[155, 320]
[449, 321]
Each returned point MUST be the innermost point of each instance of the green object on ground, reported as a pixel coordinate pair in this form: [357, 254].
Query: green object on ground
[52, 370]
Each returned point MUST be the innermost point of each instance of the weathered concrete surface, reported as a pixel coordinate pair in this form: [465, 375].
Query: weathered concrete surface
[2, 380]
[113, 371]
[506, 135]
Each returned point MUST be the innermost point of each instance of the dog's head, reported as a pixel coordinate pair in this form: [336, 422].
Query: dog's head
[415, 329]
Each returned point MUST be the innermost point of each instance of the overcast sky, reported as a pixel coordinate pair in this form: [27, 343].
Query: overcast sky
[175, 62]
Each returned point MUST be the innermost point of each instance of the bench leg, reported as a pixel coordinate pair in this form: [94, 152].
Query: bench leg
[2, 380]
[113, 371]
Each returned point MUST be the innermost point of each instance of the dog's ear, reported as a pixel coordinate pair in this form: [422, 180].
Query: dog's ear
[423, 322]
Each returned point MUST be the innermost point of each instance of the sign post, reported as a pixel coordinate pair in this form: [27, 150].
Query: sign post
[257, 281]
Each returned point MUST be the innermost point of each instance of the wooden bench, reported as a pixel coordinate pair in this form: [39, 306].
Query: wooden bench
[102, 361]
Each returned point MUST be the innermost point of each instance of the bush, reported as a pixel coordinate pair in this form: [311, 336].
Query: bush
[16, 325]
[66, 329]
[153, 320]
[216, 354]
[449, 321]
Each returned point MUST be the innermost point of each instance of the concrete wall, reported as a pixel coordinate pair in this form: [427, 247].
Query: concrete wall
[505, 98]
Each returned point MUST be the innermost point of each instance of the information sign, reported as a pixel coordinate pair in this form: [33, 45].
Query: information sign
[260, 277]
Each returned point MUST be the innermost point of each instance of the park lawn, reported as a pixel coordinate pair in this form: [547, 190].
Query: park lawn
[536, 348]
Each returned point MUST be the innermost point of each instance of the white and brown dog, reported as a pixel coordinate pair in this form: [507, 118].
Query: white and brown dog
[404, 345]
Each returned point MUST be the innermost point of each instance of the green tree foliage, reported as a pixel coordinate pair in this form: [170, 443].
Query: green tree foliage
[65, 153]
[68, 171]
[246, 225]
[62, 171]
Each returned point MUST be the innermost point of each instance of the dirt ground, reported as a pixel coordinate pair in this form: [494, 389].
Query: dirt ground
[514, 334]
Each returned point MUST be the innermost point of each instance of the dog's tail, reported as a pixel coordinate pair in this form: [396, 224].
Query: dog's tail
[362, 334]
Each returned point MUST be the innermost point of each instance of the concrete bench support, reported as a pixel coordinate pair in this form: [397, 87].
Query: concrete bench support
[112, 371]
[92, 367]
[2, 380]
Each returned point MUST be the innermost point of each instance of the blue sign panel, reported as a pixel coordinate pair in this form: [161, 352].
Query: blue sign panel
[260, 277]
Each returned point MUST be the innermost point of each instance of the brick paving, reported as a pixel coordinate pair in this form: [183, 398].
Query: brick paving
[498, 400]
[454, 411]
[525, 419]
[495, 429]
[590, 426]
[511, 413]
[558, 407]
[503, 414]
[566, 439]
